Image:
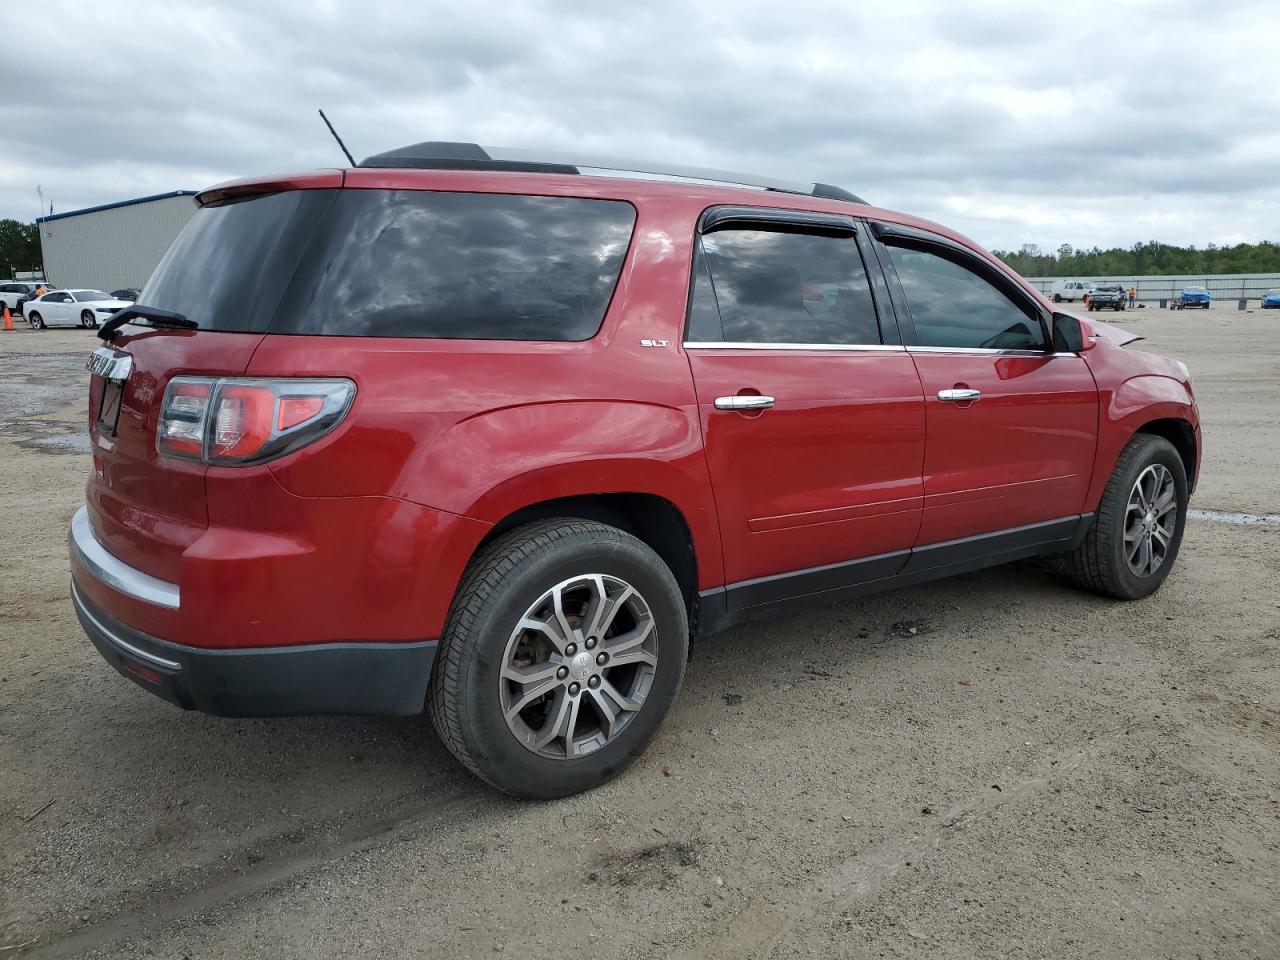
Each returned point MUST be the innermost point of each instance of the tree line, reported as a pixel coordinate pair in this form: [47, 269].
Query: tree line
[1143, 259]
[19, 247]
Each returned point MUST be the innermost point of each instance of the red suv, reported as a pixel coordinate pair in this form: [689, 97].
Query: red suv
[497, 436]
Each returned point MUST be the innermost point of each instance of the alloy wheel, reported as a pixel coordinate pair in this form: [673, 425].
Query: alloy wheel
[578, 666]
[1151, 520]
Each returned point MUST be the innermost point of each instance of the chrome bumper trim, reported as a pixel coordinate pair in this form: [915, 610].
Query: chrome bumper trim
[116, 573]
[114, 638]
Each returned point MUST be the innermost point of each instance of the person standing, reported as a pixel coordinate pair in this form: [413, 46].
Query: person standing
[1133, 295]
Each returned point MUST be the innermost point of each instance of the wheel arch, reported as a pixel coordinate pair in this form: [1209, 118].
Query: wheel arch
[652, 519]
[1153, 404]
[1182, 435]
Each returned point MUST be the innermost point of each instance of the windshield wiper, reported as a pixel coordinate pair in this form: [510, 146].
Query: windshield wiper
[154, 315]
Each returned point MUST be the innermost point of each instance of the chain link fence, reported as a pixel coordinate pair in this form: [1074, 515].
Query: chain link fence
[1221, 286]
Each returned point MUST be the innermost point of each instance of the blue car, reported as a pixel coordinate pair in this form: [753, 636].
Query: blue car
[1194, 297]
[1271, 299]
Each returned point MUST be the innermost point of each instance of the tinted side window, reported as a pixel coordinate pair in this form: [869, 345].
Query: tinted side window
[774, 287]
[459, 265]
[951, 306]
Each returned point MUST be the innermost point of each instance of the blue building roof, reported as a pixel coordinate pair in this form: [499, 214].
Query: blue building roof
[120, 203]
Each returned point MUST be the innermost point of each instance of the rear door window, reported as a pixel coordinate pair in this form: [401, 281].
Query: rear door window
[459, 265]
[768, 286]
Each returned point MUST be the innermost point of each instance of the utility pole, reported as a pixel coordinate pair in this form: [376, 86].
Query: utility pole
[39, 241]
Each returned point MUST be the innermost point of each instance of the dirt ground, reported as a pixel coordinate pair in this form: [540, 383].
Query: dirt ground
[993, 766]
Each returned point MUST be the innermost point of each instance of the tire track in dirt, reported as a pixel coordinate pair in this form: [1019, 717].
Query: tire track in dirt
[763, 924]
[288, 862]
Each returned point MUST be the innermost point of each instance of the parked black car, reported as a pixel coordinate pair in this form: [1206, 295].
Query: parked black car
[1108, 296]
[126, 293]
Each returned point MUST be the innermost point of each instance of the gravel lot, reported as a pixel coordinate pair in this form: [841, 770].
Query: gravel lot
[993, 766]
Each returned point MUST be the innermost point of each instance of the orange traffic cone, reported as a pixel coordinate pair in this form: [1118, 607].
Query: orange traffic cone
[8, 318]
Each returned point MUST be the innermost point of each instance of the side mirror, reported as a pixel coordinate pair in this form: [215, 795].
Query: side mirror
[1067, 336]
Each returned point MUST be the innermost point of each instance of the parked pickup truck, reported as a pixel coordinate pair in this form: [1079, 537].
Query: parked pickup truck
[1108, 296]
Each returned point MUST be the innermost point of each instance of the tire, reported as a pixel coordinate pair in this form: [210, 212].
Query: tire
[1100, 562]
[87, 320]
[471, 695]
[1057, 298]
[36, 321]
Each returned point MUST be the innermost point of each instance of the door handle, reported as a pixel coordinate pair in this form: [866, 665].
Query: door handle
[744, 402]
[959, 395]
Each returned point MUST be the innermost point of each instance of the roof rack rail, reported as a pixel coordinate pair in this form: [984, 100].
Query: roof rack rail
[446, 155]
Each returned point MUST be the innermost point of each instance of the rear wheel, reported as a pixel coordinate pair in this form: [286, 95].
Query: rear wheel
[36, 321]
[1137, 531]
[562, 655]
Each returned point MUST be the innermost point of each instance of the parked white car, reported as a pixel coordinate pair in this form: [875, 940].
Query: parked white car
[85, 308]
[17, 292]
[1071, 290]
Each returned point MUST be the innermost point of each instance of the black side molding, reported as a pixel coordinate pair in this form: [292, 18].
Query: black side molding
[724, 607]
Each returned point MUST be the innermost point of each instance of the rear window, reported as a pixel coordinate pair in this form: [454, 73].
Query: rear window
[388, 263]
[228, 268]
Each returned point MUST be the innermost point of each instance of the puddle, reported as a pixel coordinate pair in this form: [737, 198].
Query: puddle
[1240, 519]
[59, 443]
[34, 386]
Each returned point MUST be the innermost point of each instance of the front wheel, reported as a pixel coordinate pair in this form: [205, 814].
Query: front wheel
[36, 321]
[1137, 530]
[87, 320]
[561, 657]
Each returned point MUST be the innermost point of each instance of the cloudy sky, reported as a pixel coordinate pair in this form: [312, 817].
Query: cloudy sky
[1085, 122]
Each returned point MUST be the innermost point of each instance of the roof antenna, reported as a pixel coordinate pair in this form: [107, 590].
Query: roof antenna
[350, 158]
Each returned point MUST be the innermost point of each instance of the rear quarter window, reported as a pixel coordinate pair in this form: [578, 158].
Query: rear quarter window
[388, 263]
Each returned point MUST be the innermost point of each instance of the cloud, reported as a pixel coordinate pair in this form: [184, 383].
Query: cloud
[1085, 123]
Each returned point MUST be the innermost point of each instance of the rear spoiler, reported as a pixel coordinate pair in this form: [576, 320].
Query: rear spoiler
[233, 190]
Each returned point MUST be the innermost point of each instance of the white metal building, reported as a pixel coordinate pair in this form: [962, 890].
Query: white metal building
[114, 245]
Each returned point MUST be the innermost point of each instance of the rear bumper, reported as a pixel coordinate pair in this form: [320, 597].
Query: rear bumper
[343, 678]
[294, 679]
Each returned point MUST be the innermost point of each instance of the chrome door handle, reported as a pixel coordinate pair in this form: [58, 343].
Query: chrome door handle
[959, 396]
[747, 402]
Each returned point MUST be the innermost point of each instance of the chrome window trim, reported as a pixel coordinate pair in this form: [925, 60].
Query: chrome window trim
[115, 639]
[981, 351]
[116, 573]
[737, 345]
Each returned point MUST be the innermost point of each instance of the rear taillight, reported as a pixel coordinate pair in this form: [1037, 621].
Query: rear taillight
[182, 418]
[248, 420]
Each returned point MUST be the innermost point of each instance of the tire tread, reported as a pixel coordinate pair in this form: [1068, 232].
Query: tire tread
[482, 579]
[1092, 565]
